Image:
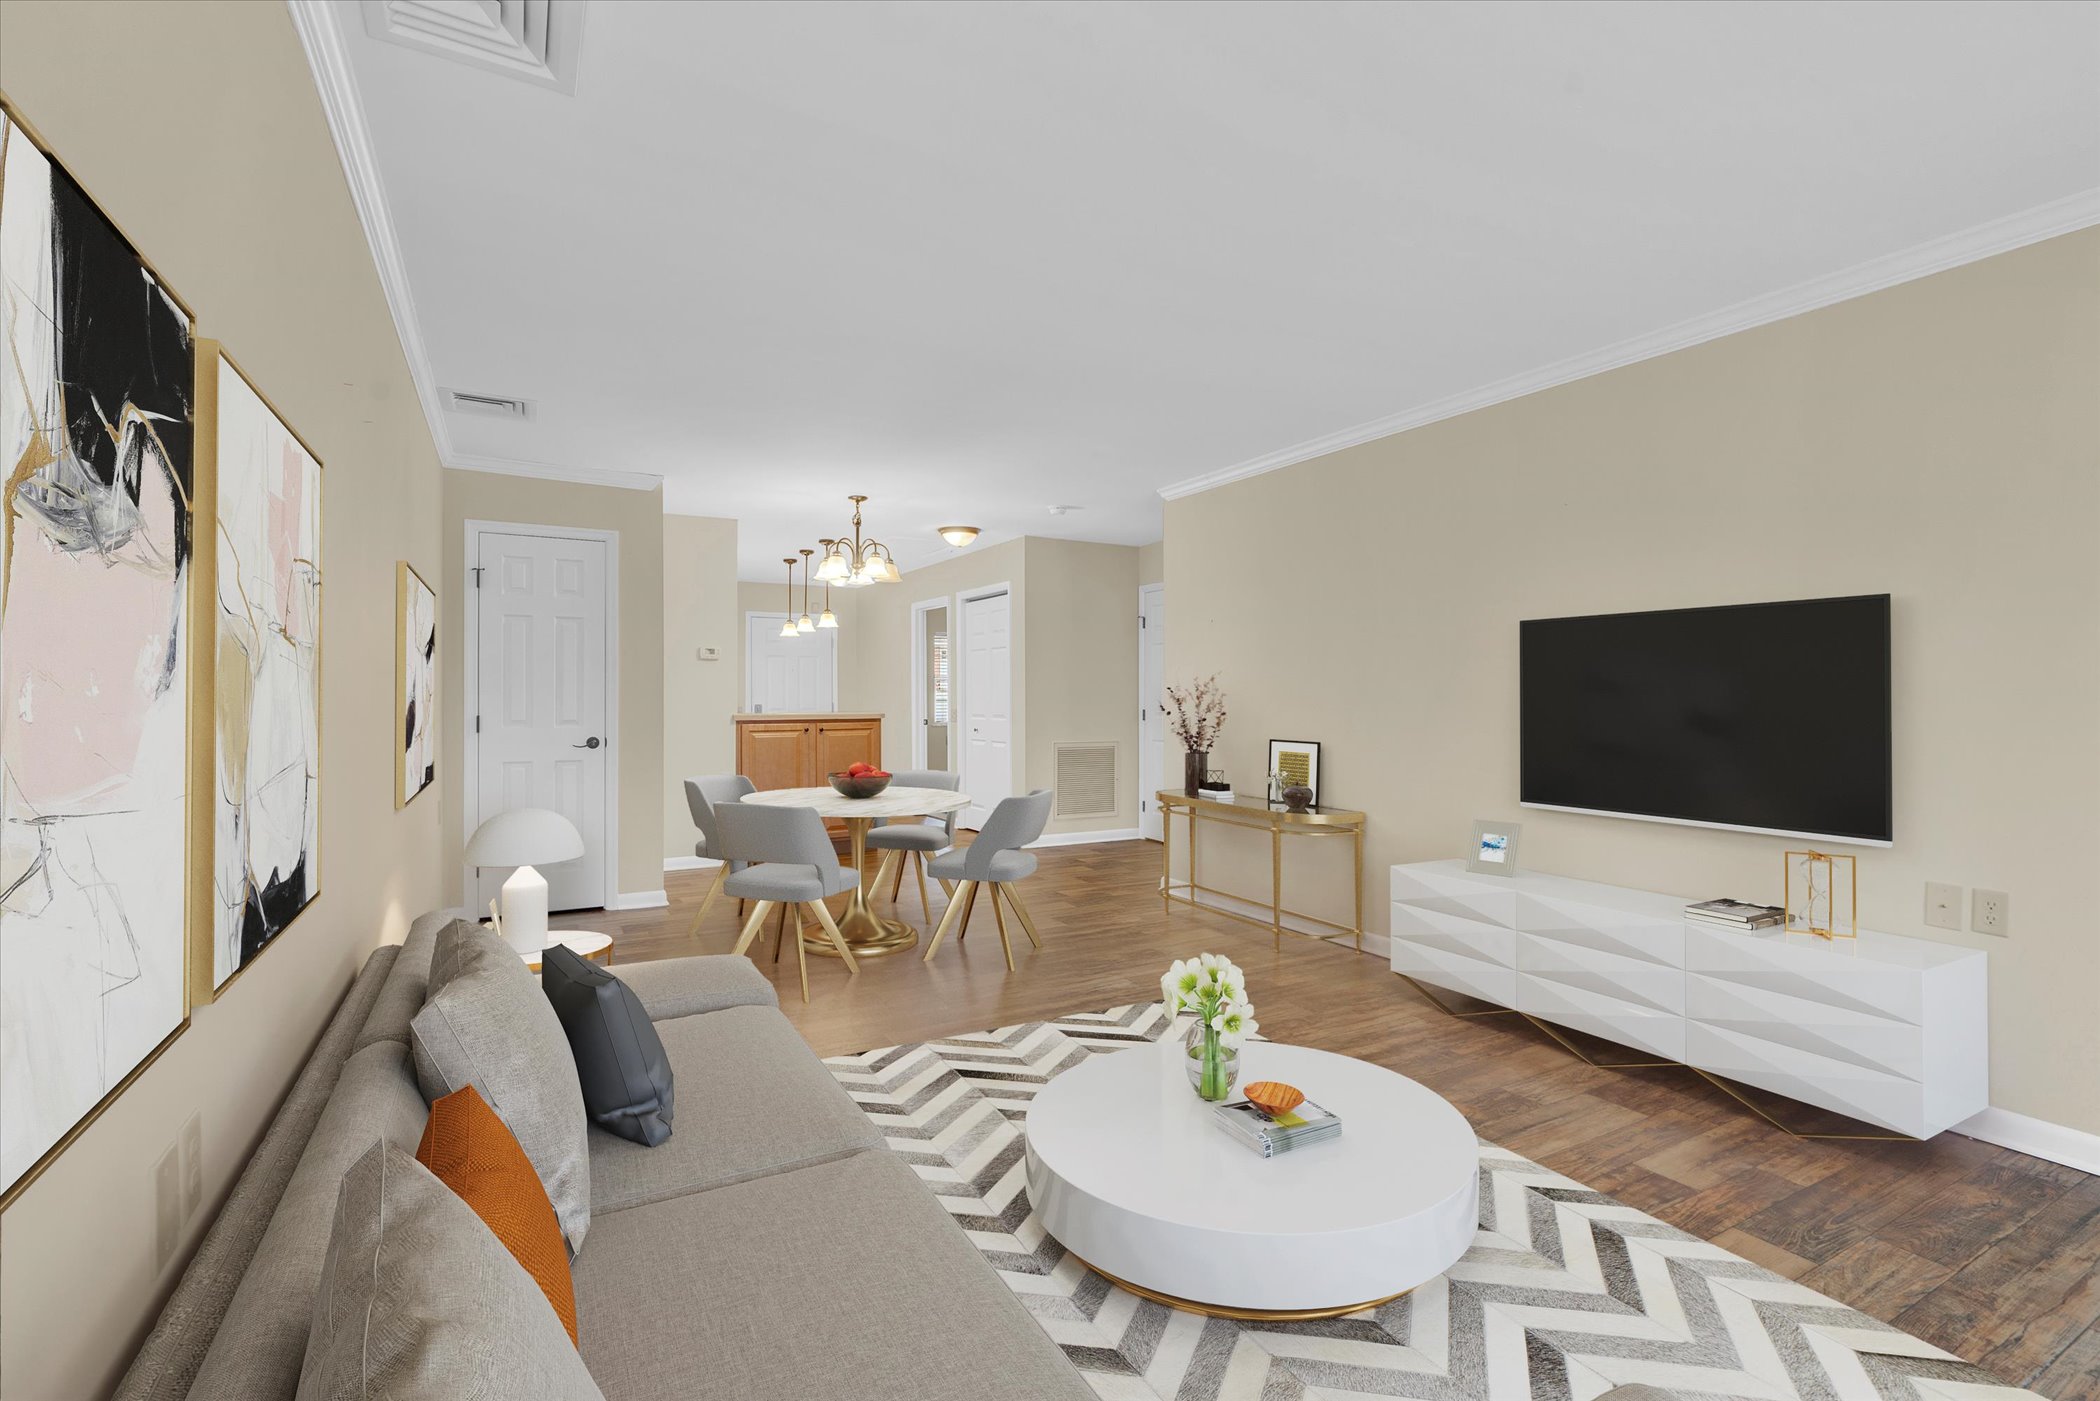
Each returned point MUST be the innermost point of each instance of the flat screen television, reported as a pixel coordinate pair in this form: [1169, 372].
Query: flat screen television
[1764, 717]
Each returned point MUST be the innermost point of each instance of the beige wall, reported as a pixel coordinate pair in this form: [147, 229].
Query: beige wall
[638, 517]
[1083, 665]
[700, 611]
[1152, 562]
[219, 164]
[1939, 441]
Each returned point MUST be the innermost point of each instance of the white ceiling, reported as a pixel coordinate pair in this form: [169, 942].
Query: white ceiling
[976, 260]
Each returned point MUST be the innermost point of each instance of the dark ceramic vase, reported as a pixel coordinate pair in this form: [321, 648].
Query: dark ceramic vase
[1297, 798]
[1193, 763]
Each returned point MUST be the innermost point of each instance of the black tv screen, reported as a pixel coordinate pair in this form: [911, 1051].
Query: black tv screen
[1767, 716]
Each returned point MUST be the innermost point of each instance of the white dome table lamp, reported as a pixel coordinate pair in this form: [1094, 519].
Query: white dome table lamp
[524, 838]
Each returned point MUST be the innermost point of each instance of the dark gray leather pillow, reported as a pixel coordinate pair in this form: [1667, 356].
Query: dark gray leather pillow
[620, 1060]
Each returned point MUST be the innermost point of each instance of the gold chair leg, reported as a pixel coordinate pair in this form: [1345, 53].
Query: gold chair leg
[838, 940]
[882, 872]
[801, 954]
[708, 903]
[1013, 897]
[947, 885]
[999, 914]
[918, 864]
[896, 881]
[968, 891]
[780, 934]
[751, 926]
[940, 931]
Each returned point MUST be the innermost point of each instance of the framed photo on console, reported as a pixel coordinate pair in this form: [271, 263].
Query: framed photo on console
[1295, 763]
[1494, 849]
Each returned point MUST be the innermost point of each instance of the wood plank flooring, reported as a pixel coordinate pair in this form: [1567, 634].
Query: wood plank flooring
[1988, 1253]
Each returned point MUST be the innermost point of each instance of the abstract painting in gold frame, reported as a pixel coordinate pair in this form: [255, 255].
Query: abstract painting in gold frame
[1822, 895]
[415, 684]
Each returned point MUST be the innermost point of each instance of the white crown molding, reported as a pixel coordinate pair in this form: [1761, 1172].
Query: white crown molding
[2063, 216]
[554, 472]
[330, 61]
[2037, 1138]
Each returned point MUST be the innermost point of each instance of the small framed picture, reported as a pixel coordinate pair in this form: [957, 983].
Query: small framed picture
[1494, 851]
[1295, 763]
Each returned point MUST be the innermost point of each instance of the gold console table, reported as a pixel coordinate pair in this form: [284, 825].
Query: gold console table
[1279, 822]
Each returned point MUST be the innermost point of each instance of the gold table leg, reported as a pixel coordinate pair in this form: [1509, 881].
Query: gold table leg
[1166, 858]
[868, 934]
[1276, 884]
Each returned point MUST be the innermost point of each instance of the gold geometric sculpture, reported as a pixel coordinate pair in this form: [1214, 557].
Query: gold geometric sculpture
[1822, 895]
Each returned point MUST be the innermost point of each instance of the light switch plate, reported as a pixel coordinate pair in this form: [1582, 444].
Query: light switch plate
[1942, 905]
[1990, 912]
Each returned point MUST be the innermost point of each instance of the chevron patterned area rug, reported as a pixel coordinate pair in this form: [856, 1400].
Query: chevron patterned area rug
[1565, 1293]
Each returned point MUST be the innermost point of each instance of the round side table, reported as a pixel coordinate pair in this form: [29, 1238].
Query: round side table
[584, 943]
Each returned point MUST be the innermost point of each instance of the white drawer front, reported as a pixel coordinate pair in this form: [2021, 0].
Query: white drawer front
[1446, 968]
[1647, 936]
[1648, 988]
[1448, 888]
[1798, 967]
[1873, 1043]
[1888, 1100]
[1584, 1007]
[1488, 943]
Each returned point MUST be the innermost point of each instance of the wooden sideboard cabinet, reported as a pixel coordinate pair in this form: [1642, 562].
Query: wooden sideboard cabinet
[797, 751]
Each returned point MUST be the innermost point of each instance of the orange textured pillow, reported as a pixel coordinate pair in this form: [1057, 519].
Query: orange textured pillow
[473, 1152]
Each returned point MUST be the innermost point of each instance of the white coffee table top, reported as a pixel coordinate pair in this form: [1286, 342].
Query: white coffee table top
[890, 802]
[1127, 1170]
[584, 943]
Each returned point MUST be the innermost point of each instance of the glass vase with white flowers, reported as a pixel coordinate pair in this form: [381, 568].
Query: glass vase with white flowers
[1212, 988]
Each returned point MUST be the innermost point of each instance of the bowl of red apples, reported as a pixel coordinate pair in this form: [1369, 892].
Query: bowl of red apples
[860, 781]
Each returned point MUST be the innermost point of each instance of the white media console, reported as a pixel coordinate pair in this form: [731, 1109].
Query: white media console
[1881, 1028]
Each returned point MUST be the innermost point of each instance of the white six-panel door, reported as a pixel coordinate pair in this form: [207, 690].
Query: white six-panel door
[788, 675]
[1152, 724]
[541, 692]
[988, 705]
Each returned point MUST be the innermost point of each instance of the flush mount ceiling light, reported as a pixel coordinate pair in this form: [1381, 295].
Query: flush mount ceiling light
[959, 535]
[861, 563]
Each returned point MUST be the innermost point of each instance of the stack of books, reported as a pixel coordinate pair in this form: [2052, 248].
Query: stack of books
[1269, 1134]
[1736, 914]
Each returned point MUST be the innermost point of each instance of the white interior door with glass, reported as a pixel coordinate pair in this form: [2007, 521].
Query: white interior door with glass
[541, 666]
[788, 675]
[1152, 723]
[988, 704]
[933, 685]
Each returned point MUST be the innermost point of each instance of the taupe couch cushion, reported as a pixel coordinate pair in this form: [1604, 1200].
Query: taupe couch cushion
[263, 1337]
[684, 987]
[751, 1100]
[401, 995]
[420, 1302]
[487, 1024]
[839, 1282]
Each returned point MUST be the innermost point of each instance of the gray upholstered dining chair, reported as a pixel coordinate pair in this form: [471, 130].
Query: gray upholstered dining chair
[914, 841]
[784, 858]
[994, 859]
[702, 796]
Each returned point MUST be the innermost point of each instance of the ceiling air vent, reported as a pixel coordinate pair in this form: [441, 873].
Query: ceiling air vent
[491, 405]
[1086, 780]
[534, 41]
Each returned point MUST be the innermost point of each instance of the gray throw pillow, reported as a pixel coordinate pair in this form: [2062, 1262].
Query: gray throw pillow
[620, 1061]
[419, 1301]
[491, 1027]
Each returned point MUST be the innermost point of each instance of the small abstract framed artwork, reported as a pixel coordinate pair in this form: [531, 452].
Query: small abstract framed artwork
[99, 604]
[415, 684]
[1295, 763]
[1494, 849]
[262, 485]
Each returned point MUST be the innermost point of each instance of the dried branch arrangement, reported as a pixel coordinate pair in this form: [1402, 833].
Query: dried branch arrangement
[1196, 714]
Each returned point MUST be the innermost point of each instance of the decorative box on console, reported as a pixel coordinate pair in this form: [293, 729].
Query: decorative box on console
[1885, 1029]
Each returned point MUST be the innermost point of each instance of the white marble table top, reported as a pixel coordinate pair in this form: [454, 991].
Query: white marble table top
[890, 802]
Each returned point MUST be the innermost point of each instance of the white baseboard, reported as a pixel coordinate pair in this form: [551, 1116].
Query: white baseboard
[2036, 1137]
[1113, 834]
[1375, 944]
[640, 900]
[690, 863]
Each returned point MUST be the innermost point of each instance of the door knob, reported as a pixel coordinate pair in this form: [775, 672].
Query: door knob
[591, 743]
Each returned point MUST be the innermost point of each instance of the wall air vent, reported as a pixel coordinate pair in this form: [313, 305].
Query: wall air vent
[1086, 780]
[534, 41]
[489, 405]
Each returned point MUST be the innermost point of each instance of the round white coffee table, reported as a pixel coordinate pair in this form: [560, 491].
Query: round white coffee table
[1128, 1172]
[584, 943]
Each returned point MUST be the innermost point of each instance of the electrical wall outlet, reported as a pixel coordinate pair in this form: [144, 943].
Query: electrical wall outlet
[1990, 912]
[1942, 905]
[192, 1167]
[167, 1206]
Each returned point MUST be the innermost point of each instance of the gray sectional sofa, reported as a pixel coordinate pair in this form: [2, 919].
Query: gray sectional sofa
[771, 1248]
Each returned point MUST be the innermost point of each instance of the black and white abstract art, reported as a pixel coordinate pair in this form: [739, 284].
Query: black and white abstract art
[266, 837]
[415, 683]
[96, 426]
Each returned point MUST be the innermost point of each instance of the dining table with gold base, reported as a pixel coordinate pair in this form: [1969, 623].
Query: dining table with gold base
[868, 934]
[1279, 821]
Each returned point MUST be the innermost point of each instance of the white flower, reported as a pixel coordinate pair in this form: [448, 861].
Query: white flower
[1181, 985]
[1234, 1023]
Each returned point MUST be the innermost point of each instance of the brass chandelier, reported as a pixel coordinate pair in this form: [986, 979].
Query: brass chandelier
[859, 563]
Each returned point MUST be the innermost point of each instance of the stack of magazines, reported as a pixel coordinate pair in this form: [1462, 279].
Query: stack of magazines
[1269, 1134]
[1736, 914]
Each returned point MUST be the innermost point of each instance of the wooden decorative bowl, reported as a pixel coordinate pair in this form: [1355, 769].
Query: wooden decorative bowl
[1274, 1097]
